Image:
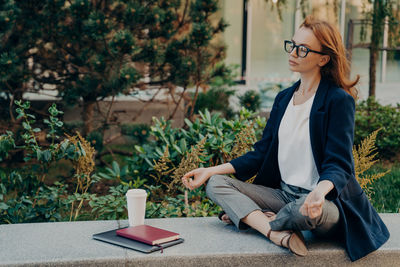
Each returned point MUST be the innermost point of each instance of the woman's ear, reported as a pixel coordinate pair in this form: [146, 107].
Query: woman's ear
[324, 60]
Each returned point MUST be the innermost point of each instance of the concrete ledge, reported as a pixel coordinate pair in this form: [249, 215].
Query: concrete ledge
[208, 242]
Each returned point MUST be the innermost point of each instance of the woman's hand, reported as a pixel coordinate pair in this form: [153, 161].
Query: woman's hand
[200, 175]
[312, 206]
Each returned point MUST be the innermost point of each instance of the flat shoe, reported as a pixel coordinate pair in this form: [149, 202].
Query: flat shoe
[294, 241]
[296, 244]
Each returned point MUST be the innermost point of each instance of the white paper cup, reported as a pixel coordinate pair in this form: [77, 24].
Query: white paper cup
[136, 204]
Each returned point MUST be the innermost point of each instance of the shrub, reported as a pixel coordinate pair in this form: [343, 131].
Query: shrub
[250, 100]
[24, 194]
[370, 116]
[95, 138]
[138, 132]
[215, 99]
[221, 136]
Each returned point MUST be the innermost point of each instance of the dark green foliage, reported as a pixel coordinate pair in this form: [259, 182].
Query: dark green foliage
[221, 89]
[6, 144]
[97, 49]
[386, 196]
[220, 134]
[138, 132]
[24, 194]
[250, 100]
[71, 127]
[95, 138]
[201, 205]
[26, 197]
[33, 202]
[215, 99]
[370, 116]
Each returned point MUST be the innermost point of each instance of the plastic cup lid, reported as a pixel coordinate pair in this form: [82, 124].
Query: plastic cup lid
[136, 192]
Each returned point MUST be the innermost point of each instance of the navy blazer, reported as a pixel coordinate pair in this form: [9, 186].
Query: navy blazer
[331, 133]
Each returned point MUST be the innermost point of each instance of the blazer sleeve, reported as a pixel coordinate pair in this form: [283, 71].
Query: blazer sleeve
[337, 162]
[247, 165]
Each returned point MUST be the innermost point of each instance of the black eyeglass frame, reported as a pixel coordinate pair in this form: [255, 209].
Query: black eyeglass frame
[308, 50]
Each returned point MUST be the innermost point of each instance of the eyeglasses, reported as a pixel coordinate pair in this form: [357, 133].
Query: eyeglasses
[301, 50]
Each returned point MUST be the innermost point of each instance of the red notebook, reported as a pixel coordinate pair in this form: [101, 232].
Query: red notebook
[148, 234]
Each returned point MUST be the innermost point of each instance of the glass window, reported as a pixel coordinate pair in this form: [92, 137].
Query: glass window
[233, 35]
[268, 60]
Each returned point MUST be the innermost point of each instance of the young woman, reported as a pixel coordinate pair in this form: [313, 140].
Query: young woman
[303, 164]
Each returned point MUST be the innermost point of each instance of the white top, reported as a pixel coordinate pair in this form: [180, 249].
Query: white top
[295, 158]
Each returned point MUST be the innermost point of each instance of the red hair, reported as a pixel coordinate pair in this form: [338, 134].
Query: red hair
[338, 68]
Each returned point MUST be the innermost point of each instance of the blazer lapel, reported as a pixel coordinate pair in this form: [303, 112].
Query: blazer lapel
[316, 122]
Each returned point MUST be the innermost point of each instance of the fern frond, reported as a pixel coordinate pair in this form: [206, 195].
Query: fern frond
[244, 141]
[190, 162]
[364, 160]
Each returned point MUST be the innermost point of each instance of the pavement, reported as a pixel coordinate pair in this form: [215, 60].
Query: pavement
[208, 242]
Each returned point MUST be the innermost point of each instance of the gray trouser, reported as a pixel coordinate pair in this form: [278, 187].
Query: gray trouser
[238, 199]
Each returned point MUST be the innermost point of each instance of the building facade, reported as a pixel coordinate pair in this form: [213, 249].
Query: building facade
[256, 33]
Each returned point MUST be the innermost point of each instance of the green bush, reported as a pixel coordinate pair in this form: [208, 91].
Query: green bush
[215, 99]
[95, 138]
[250, 100]
[24, 195]
[140, 171]
[199, 205]
[138, 132]
[27, 195]
[70, 127]
[219, 132]
[386, 196]
[370, 116]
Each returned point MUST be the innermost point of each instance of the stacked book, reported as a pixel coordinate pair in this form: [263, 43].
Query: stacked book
[144, 238]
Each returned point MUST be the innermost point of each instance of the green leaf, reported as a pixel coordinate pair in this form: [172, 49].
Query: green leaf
[3, 188]
[139, 149]
[83, 152]
[124, 170]
[105, 176]
[159, 152]
[26, 126]
[26, 105]
[208, 116]
[3, 206]
[46, 156]
[36, 130]
[188, 122]
[38, 154]
[177, 148]
[149, 162]
[183, 145]
[116, 168]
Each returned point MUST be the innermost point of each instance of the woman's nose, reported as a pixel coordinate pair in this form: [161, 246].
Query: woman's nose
[294, 52]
